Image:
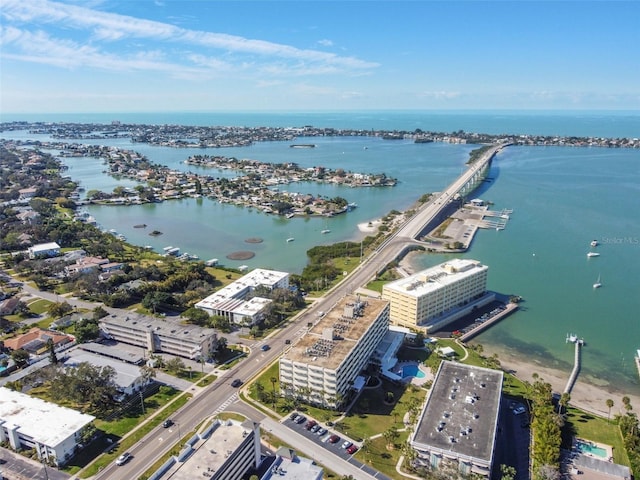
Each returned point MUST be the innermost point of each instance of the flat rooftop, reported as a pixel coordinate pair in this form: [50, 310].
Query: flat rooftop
[162, 328]
[461, 413]
[239, 288]
[434, 278]
[213, 452]
[348, 320]
[45, 422]
[125, 373]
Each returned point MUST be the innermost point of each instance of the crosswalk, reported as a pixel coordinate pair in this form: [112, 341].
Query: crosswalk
[232, 399]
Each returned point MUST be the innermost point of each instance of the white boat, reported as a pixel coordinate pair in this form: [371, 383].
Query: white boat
[290, 215]
[593, 254]
[594, 243]
[290, 239]
[571, 338]
[598, 284]
[326, 230]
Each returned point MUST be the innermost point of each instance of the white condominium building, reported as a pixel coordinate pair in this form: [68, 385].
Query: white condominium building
[189, 341]
[230, 301]
[27, 422]
[325, 364]
[430, 299]
[458, 425]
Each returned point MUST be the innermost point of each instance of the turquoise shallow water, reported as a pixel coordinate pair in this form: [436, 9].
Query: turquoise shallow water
[562, 198]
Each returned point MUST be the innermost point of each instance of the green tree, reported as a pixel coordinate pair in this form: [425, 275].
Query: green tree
[53, 358]
[59, 309]
[507, 472]
[609, 403]
[20, 356]
[175, 366]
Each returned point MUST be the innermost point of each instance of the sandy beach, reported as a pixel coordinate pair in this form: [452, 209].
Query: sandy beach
[585, 394]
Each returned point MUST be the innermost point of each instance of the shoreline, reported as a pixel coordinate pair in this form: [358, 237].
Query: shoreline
[584, 395]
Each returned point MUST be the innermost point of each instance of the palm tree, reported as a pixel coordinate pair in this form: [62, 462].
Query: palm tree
[273, 381]
[609, 403]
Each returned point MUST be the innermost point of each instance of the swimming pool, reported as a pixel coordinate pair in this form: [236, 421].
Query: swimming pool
[584, 447]
[412, 371]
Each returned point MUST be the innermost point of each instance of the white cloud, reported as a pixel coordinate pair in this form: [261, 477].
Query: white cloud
[107, 29]
[440, 95]
[325, 43]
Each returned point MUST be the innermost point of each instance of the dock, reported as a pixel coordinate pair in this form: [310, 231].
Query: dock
[509, 308]
[579, 343]
[637, 359]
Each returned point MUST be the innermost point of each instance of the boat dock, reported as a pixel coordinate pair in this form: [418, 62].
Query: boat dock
[579, 343]
[509, 308]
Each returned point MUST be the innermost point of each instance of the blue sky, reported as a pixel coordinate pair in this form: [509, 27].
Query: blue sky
[206, 55]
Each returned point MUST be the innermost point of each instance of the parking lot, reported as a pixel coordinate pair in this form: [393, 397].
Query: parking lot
[321, 434]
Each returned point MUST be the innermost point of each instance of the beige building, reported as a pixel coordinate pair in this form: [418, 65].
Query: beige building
[325, 364]
[432, 298]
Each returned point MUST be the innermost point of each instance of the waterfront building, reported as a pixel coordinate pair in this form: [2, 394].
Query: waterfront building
[458, 424]
[154, 335]
[53, 432]
[435, 297]
[327, 362]
[44, 250]
[231, 301]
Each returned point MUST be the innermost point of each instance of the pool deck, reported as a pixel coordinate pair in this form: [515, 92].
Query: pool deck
[605, 447]
[397, 369]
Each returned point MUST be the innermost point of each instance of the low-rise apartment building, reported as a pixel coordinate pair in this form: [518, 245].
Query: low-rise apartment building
[231, 301]
[27, 422]
[155, 336]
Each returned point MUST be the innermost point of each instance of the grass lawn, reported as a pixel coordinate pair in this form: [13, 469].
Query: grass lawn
[596, 429]
[113, 442]
[39, 306]
[378, 456]
[372, 415]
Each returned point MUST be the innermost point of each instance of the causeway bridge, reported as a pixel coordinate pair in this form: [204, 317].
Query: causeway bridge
[407, 236]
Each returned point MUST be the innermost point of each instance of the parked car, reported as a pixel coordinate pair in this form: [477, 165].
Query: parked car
[236, 383]
[321, 431]
[334, 439]
[124, 458]
[519, 410]
[167, 423]
[293, 416]
[310, 424]
[352, 449]
[346, 444]
[300, 419]
[315, 428]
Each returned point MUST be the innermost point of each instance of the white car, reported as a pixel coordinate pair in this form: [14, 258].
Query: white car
[519, 410]
[124, 458]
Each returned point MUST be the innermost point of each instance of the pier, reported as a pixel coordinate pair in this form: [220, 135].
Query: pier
[509, 308]
[579, 343]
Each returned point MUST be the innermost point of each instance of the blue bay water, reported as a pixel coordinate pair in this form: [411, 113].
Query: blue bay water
[562, 199]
